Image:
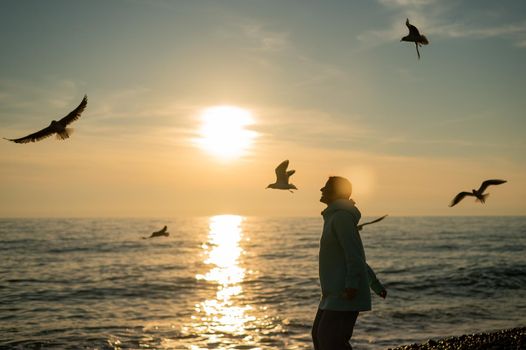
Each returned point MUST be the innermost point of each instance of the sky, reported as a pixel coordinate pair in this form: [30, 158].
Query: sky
[325, 84]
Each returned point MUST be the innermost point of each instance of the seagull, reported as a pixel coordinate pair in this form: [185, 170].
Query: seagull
[359, 227]
[479, 194]
[55, 127]
[282, 178]
[414, 37]
[161, 232]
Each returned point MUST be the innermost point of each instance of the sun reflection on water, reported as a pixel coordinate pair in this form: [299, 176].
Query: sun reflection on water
[221, 315]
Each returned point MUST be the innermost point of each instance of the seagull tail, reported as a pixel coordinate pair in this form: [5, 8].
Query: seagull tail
[482, 198]
[423, 40]
[64, 134]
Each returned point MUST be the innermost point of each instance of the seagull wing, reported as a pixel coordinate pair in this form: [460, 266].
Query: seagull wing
[281, 171]
[75, 114]
[459, 197]
[413, 31]
[487, 183]
[37, 136]
[423, 40]
[372, 222]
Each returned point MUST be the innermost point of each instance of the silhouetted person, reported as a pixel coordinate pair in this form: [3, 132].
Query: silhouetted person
[414, 37]
[479, 194]
[282, 178]
[345, 277]
[55, 127]
[161, 232]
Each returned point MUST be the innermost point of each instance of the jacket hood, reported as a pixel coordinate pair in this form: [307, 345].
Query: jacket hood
[341, 204]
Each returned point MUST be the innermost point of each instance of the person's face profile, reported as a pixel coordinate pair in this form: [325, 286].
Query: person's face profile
[326, 192]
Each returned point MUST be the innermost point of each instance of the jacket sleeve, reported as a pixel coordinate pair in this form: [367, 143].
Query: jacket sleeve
[344, 227]
[375, 285]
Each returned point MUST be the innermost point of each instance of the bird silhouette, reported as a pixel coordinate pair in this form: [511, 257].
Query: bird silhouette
[415, 37]
[478, 194]
[55, 127]
[282, 178]
[359, 227]
[161, 232]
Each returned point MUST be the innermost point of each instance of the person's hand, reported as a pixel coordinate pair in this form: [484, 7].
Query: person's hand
[350, 293]
[383, 293]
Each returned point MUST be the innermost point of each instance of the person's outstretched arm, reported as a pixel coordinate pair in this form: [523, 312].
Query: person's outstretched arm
[375, 284]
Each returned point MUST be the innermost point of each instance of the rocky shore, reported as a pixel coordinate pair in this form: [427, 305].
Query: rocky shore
[507, 339]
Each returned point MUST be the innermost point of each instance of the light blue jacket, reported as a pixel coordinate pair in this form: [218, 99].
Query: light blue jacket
[342, 260]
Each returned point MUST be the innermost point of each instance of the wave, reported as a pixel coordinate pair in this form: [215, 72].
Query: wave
[462, 281]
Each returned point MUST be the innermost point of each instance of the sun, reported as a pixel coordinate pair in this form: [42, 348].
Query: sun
[223, 131]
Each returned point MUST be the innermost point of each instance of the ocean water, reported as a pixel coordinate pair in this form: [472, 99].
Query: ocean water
[232, 282]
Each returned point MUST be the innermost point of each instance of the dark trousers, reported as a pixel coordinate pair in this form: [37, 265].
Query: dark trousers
[332, 330]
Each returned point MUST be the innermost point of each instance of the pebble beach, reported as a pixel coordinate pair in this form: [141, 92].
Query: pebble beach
[507, 339]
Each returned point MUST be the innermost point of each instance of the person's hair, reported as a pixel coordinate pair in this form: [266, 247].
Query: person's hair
[341, 187]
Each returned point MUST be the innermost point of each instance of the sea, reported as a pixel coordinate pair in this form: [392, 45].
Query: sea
[234, 282]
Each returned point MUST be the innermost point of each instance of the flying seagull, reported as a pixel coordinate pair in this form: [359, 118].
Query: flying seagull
[414, 37]
[161, 232]
[359, 227]
[55, 127]
[479, 194]
[282, 178]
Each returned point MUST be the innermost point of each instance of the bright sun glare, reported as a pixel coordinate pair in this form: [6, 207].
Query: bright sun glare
[221, 313]
[223, 132]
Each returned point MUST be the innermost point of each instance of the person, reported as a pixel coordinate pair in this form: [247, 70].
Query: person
[345, 277]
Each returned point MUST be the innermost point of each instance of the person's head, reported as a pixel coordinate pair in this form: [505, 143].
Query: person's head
[336, 187]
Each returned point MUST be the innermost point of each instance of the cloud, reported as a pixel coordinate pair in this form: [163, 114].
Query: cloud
[20, 94]
[259, 38]
[264, 39]
[514, 31]
[308, 128]
[298, 130]
[434, 19]
[426, 15]
[135, 113]
[31, 104]
[294, 129]
[405, 3]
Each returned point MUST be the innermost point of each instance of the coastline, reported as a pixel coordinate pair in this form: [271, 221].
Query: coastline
[506, 339]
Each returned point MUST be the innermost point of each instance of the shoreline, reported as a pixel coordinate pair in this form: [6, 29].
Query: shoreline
[508, 339]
